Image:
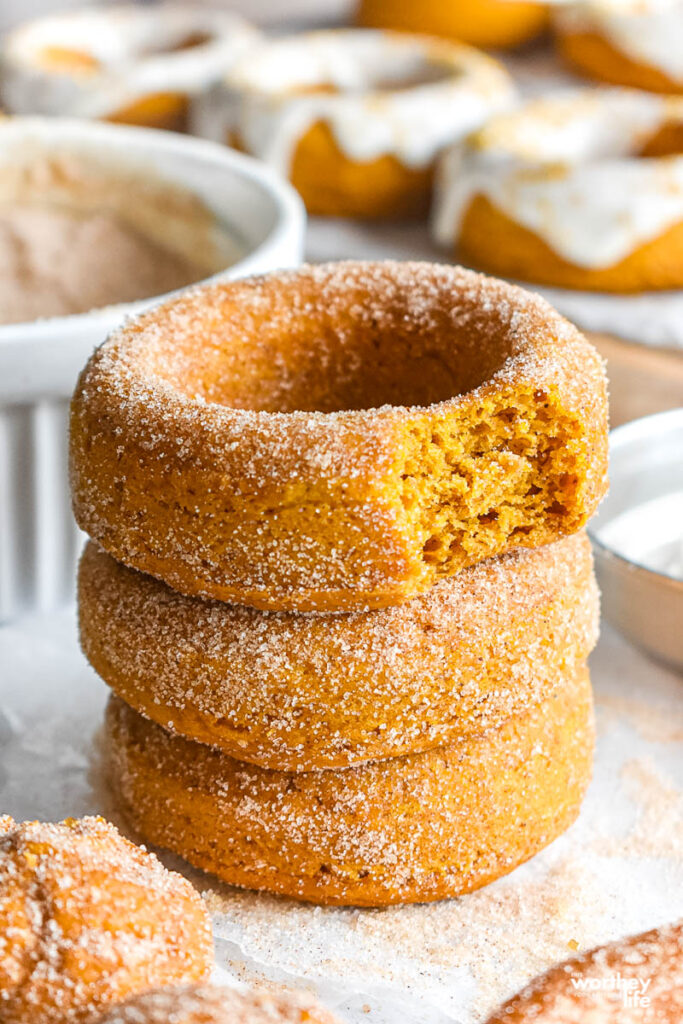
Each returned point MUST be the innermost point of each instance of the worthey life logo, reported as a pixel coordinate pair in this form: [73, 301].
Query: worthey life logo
[633, 991]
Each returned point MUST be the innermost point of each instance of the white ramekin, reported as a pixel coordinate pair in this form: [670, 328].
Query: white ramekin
[40, 361]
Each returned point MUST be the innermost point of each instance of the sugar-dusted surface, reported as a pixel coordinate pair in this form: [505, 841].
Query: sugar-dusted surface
[308, 464]
[652, 318]
[298, 692]
[209, 1004]
[87, 919]
[409, 829]
[449, 963]
[647, 967]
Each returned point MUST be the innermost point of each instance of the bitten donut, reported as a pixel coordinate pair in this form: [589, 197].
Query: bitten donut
[422, 827]
[337, 437]
[297, 692]
[127, 63]
[627, 42]
[356, 119]
[638, 980]
[492, 23]
[583, 189]
[207, 1004]
[87, 919]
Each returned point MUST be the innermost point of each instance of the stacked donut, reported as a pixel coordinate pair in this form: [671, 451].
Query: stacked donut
[337, 579]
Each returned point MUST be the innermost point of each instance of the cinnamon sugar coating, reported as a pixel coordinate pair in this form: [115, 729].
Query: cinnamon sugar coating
[651, 965]
[337, 437]
[297, 692]
[422, 827]
[208, 1004]
[88, 919]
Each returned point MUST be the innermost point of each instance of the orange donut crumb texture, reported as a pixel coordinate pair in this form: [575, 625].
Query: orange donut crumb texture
[87, 919]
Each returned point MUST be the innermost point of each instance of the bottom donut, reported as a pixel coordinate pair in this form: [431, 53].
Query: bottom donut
[412, 829]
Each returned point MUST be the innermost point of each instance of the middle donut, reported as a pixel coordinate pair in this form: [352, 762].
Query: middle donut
[301, 692]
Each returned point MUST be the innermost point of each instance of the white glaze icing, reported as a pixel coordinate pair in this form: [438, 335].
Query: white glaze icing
[133, 50]
[567, 169]
[649, 32]
[376, 107]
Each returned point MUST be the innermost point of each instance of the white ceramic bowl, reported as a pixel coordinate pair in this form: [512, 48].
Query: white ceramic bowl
[40, 361]
[638, 535]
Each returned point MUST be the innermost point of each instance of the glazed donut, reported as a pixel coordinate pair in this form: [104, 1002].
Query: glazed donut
[126, 63]
[248, 441]
[355, 119]
[494, 23]
[627, 42]
[638, 980]
[87, 919]
[207, 1004]
[299, 692]
[423, 827]
[583, 189]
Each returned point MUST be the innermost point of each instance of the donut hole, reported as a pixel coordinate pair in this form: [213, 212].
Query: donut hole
[299, 348]
[346, 62]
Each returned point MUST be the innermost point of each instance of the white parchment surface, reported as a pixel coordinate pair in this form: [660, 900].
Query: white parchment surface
[617, 871]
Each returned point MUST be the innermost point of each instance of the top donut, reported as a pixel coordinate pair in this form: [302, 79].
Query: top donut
[337, 437]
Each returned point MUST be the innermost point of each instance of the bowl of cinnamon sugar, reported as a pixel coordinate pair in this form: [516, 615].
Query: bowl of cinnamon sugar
[98, 221]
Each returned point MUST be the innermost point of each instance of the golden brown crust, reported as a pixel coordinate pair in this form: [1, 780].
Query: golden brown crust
[596, 56]
[247, 442]
[207, 1004]
[412, 829]
[520, 253]
[295, 692]
[332, 184]
[487, 23]
[638, 980]
[88, 919]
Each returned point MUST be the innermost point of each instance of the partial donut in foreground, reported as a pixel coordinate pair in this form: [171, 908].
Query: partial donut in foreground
[208, 1004]
[422, 827]
[299, 692]
[87, 919]
[638, 980]
[337, 437]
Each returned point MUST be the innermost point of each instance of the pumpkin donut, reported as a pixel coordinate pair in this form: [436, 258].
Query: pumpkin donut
[207, 1004]
[125, 63]
[583, 189]
[88, 919]
[298, 692]
[337, 437]
[638, 980]
[637, 43]
[412, 829]
[355, 119]
[488, 23]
